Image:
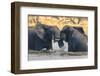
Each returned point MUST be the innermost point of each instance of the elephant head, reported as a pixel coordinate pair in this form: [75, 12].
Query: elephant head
[64, 35]
[44, 31]
[68, 30]
[55, 33]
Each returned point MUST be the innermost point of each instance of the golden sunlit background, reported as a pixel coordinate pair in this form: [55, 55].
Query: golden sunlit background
[59, 21]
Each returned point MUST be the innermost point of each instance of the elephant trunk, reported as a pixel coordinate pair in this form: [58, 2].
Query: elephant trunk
[60, 43]
[56, 37]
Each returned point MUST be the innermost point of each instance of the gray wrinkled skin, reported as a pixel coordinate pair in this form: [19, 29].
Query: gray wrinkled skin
[41, 37]
[77, 41]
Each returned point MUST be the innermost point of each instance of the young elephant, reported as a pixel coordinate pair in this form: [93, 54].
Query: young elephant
[77, 42]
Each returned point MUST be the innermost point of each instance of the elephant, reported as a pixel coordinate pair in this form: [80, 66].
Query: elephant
[41, 37]
[77, 41]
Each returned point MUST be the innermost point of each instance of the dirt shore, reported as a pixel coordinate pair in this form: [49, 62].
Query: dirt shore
[57, 54]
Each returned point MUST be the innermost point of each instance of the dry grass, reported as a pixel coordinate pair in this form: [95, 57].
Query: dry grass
[59, 21]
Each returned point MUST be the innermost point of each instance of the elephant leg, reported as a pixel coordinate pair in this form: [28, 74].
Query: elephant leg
[49, 45]
[70, 47]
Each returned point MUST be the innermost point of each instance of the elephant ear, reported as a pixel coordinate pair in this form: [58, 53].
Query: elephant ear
[40, 33]
[80, 29]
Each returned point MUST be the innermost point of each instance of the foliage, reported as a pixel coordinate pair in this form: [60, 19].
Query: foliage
[59, 21]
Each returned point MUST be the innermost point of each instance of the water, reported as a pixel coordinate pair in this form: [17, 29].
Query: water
[55, 46]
